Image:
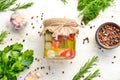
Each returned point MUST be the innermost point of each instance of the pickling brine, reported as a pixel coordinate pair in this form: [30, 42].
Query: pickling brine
[57, 44]
[60, 47]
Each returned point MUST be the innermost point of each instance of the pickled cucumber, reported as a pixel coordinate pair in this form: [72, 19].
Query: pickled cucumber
[48, 45]
[48, 36]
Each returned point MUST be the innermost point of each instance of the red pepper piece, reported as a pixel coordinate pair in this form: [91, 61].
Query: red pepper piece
[55, 43]
[68, 53]
[71, 37]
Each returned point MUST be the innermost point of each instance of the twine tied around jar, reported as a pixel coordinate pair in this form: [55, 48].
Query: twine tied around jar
[60, 26]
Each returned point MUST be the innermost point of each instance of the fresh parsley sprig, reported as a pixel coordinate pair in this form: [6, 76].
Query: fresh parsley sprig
[2, 36]
[86, 68]
[13, 61]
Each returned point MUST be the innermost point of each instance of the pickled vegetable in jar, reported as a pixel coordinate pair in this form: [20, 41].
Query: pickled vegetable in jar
[59, 38]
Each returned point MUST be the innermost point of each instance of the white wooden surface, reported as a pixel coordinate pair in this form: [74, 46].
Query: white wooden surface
[55, 8]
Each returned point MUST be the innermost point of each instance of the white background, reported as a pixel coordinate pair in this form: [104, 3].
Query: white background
[56, 9]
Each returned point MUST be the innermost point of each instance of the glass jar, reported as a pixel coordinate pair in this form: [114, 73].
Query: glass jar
[59, 45]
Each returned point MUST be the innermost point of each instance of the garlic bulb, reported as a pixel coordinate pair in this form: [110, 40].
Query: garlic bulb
[17, 20]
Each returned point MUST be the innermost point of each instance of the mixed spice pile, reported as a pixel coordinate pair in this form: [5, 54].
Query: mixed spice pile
[109, 35]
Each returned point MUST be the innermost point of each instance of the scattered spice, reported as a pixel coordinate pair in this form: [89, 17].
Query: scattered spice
[36, 20]
[114, 57]
[41, 18]
[83, 76]
[31, 23]
[33, 27]
[46, 73]
[26, 34]
[38, 60]
[90, 27]
[20, 76]
[49, 68]
[41, 26]
[37, 68]
[35, 58]
[36, 16]
[63, 72]
[38, 32]
[32, 17]
[109, 35]
[71, 62]
[42, 67]
[99, 76]
[86, 39]
[23, 40]
[28, 68]
[11, 39]
[102, 50]
[112, 16]
[81, 23]
[112, 62]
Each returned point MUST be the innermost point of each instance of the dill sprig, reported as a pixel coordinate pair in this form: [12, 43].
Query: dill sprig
[19, 6]
[3, 35]
[84, 69]
[6, 4]
[90, 9]
[82, 4]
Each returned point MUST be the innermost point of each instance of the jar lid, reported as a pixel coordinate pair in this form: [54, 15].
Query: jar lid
[60, 26]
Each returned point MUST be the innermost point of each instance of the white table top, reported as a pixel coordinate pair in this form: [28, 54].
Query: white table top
[64, 69]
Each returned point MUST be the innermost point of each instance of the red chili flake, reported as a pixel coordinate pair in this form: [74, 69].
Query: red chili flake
[32, 17]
